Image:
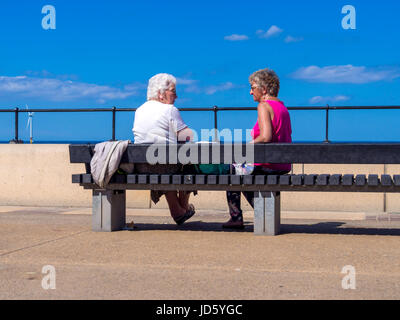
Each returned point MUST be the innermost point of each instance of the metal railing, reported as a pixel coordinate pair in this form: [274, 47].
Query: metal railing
[214, 109]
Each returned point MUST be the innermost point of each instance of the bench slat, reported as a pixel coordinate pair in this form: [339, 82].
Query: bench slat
[132, 178]
[373, 180]
[165, 179]
[143, 178]
[297, 179]
[386, 180]
[309, 179]
[347, 179]
[396, 179]
[154, 179]
[176, 179]
[236, 179]
[212, 179]
[200, 179]
[272, 179]
[259, 179]
[188, 179]
[284, 179]
[334, 179]
[248, 179]
[361, 180]
[87, 178]
[76, 178]
[322, 179]
[223, 179]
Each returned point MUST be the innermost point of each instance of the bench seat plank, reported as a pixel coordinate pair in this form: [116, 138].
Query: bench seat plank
[165, 179]
[373, 180]
[334, 179]
[310, 179]
[260, 179]
[143, 178]
[272, 179]
[361, 180]
[201, 179]
[236, 179]
[322, 179]
[132, 178]
[248, 179]
[284, 180]
[223, 179]
[301, 182]
[386, 180]
[347, 179]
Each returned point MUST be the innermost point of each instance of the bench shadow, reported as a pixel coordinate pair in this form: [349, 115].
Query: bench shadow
[190, 226]
[333, 227]
[316, 228]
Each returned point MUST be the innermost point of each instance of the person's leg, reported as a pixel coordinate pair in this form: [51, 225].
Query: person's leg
[178, 213]
[236, 220]
[184, 199]
[249, 195]
[174, 205]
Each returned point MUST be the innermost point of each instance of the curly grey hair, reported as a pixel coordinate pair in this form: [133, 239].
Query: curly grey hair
[267, 79]
[158, 84]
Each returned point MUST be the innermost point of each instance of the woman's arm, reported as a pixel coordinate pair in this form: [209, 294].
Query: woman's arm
[265, 124]
[185, 135]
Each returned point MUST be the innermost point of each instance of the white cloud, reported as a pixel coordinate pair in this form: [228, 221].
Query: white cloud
[185, 81]
[193, 86]
[290, 39]
[236, 37]
[346, 74]
[63, 90]
[272, 31]
[320, 99]
[221, 87]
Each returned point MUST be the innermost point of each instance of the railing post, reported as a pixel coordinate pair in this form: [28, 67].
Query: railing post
[113, 123]
[327, 125]
[215, 123]
[16, 140]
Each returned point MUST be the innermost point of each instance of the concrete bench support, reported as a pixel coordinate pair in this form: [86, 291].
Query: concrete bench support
[267, 213]
[109, 210]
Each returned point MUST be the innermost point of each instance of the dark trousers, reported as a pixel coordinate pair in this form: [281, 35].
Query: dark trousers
[233, 197]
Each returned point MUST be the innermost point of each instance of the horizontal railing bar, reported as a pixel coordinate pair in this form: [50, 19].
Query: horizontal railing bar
[205, 109]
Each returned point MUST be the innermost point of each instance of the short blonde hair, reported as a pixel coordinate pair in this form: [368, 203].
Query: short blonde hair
[267, 79]
[159, 84]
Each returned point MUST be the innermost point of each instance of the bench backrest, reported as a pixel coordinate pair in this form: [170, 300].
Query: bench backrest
[317, 153]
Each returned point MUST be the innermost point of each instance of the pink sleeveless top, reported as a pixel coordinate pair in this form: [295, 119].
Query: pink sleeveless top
[281, 132]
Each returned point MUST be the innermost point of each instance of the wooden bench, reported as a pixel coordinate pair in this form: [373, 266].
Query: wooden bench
[109, 204]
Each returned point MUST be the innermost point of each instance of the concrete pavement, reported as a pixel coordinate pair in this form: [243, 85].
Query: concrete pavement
[199, 260]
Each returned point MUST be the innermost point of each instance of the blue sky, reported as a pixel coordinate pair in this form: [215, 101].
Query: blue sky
[102, 53]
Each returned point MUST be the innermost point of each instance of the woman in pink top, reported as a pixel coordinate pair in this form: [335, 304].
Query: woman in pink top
[272, 126]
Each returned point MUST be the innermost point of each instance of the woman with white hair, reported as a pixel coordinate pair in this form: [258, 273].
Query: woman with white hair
[159, 121]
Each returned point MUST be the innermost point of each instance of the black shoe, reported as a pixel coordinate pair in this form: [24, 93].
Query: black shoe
[233, 224]
[186, 216]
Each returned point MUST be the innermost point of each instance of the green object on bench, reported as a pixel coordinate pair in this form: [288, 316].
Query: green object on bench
[213, 168]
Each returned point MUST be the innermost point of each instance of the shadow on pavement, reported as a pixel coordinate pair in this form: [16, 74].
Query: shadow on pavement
[316, 228]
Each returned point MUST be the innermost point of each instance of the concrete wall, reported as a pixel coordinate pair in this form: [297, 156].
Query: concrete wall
[40, 175]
